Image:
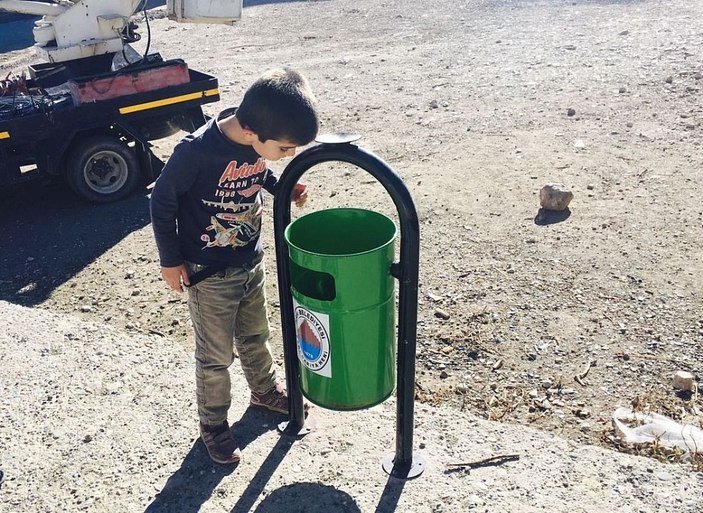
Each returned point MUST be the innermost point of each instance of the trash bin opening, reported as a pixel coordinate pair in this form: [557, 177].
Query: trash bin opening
[341, 231]
[313, 284]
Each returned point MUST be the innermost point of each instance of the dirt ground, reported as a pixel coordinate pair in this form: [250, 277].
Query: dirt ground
[551, 321]
[114, 429]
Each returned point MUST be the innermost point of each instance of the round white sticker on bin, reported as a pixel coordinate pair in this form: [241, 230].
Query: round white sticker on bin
[312, 340]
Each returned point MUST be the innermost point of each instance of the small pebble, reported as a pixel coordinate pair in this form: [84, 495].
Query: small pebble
[441, 314]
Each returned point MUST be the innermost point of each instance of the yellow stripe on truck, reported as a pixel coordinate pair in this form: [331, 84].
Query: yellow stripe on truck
[168, 101]
[4, 135]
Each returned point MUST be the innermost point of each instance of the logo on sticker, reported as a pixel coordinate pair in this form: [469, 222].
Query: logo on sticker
[312, 333]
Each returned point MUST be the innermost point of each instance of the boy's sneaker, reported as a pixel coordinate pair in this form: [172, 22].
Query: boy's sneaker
[220, 443]
[275, 399]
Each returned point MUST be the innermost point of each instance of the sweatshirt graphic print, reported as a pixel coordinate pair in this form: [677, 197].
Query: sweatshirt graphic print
[207, 204]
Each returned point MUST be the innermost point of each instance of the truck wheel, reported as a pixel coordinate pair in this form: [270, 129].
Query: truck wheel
[102, 169]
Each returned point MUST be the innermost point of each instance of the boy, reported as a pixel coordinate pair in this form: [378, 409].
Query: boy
[206, 213]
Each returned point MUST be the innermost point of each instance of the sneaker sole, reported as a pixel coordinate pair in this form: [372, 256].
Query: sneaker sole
[235, 459]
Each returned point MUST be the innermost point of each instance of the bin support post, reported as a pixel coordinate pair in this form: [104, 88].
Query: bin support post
[403, 464]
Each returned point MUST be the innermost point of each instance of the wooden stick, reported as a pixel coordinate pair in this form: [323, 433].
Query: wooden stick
[588, 368]
[503, 458]
[579, 377]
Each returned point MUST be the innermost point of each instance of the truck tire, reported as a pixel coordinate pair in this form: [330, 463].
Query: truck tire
[102, 169]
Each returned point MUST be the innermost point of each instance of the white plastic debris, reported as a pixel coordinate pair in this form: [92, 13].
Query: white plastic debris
[652, 426]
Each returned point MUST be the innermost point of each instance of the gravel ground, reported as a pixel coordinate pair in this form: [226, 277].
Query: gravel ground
[96, 419]
[476, 104]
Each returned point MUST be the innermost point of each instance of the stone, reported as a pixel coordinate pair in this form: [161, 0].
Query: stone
[555, 196]
[583, 413]
[684, 381]
[441, 314]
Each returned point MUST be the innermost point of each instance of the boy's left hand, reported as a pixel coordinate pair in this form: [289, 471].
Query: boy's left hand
[300, 194]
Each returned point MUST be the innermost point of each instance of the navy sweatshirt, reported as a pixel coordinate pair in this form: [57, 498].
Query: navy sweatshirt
[207, 203]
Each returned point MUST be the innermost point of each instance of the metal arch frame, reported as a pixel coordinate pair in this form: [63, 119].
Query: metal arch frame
[401, 465]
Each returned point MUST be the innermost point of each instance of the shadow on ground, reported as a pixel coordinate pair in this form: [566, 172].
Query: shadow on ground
[198, 477]
[545, 217]
[47, 236]
[388, 502]
[16, 32]
[298, 498]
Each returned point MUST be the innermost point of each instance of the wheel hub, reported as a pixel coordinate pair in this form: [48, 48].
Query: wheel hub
[106, 172]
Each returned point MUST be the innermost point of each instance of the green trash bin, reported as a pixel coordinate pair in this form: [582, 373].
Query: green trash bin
[344, 306]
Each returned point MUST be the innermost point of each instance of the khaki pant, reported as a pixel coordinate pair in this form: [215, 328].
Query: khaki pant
[229, 310]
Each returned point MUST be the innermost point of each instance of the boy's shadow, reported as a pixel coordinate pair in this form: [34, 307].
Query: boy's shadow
[193, 484]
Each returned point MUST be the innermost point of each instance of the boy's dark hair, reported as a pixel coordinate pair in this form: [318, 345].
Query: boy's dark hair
[281, 106]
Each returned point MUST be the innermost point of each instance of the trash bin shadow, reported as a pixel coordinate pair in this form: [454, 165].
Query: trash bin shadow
[47, 236]
[391, 495]
[263, 475]
[308, 498]
[198, 477]
[545, 217]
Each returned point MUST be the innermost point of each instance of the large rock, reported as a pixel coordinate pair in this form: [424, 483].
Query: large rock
[684, 381]
[554, 196]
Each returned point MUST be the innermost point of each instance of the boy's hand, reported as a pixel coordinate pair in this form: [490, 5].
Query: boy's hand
[300, 194]
[175, 277]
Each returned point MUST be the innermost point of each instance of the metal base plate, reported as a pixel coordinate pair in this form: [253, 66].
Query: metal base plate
[338, 138]
[309, 425]
[412, 471]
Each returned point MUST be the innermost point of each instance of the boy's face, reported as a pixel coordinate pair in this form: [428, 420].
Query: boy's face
[273, 149]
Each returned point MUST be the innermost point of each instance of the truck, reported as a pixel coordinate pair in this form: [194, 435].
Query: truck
[89, 112]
